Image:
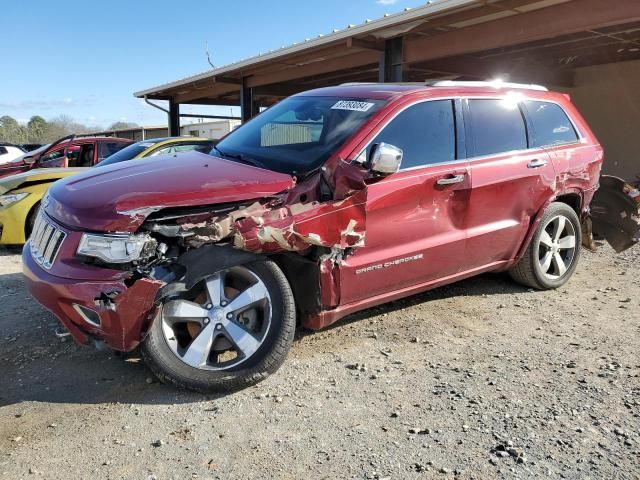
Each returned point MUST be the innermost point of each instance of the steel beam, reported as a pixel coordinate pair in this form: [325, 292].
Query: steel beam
[390, 67]
[248, 107]
[174, 119]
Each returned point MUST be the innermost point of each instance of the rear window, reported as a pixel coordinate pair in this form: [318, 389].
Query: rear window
[497, 126]
[551, 125]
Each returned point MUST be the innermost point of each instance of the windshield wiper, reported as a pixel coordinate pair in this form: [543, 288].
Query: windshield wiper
[240, 157]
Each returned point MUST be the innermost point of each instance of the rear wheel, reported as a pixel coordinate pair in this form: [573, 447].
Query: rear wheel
[552, 255]
[230, 331]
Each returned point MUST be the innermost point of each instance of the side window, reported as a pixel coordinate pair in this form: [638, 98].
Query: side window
[551, 125]
[109, 148]
[3, 150]
[84, 157]
[497, 126]
[425, 132]
[55, 155]
[161, 151]
[185, 147]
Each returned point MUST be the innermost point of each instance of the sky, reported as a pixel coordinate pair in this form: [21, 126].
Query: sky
[85, 59]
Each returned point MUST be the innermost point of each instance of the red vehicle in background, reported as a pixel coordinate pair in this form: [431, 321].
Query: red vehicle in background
[68, 151]
[330, 202]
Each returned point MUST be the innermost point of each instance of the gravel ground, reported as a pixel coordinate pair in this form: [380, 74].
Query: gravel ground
[481, 379]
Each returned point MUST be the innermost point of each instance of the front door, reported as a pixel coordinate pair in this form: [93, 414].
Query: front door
[415, 218]
[53, 158]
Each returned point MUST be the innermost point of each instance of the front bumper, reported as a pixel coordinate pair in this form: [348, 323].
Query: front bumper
[122, 314]
[12, 224]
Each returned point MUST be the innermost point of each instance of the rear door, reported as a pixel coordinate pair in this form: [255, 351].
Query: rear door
[415, 217]
[510, 181]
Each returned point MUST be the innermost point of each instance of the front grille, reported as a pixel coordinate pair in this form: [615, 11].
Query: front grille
[45, 241]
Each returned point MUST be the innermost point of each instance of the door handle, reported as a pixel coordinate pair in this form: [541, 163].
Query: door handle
[536, 163]
[451, 180]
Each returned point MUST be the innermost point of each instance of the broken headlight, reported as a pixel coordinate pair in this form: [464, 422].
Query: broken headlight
[115, 248]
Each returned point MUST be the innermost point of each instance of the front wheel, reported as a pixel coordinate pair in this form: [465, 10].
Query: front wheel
[230, 331]
[552, 256]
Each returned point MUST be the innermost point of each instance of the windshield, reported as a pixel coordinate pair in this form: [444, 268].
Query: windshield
[298, 134]
[127, 153]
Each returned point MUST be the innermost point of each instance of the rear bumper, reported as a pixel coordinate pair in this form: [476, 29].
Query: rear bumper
[121, 314]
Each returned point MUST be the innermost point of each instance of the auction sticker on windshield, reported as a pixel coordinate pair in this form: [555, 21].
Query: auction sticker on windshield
[352, 105]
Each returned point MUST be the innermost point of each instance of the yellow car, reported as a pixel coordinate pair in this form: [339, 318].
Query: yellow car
[20, 194]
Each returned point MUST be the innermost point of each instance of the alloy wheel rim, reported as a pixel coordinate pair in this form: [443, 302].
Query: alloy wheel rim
[557, 247]
[222, 324]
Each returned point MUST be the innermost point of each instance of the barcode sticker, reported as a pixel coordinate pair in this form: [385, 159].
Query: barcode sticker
[352, 105]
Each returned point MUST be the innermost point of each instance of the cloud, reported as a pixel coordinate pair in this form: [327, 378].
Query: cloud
[386, 2]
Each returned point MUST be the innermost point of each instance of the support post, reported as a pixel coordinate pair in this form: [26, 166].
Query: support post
[174, 119]
[390, 66]
[248, 107]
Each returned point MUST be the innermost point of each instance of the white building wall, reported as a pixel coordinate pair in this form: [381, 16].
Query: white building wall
[215, 130]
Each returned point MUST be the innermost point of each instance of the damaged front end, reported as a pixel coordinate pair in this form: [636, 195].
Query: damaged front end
[308, 230]
[614, 215]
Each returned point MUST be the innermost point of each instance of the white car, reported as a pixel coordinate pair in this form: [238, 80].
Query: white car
[9, 152]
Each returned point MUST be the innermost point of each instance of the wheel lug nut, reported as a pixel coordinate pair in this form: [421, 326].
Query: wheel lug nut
[206, 321]
[218, 327]
[223, 303]
[209, 306]
[229, 316]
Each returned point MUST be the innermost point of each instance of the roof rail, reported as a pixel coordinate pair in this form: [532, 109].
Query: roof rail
[491, 84]
[456, 83]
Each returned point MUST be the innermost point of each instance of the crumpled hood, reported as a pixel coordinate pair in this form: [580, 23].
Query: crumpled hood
[118, 198]
[37, 175]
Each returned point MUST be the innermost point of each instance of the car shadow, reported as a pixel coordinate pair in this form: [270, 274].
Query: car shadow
[10, 250]
[38, 366]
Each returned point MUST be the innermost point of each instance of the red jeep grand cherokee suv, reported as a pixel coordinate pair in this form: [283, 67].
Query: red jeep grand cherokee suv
[329, 202]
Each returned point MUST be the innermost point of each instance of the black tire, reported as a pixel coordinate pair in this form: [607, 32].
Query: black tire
[31, 220]
[169, 369]
[529, 269]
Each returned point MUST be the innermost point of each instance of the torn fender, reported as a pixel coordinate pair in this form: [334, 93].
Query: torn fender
[335, 224]
[615, 215]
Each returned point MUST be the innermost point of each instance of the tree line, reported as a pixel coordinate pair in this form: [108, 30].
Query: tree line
[39, 130]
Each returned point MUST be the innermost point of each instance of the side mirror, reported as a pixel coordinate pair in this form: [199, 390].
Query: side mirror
[29, 160]
[385, 159]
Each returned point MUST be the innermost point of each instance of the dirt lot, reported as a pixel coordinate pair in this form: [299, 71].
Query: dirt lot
[482, 379]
